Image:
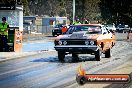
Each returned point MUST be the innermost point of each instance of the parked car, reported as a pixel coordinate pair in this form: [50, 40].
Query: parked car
[57, 30]
[123, 28]
[85, 39]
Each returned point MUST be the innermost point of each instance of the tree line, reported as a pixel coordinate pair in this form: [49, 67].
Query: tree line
[104, 11]
[116, 11]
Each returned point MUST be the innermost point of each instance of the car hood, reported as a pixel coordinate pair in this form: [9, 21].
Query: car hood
[78, 35]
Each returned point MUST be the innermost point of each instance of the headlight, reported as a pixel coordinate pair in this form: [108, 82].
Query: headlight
[92, 42]
[86, 42]
[65, 42]
[89, 42]
[60, 42]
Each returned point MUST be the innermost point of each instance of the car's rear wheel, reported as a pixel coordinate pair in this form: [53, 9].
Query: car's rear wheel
[75, 57]
[108, 53]
[61, 55]
[97, 55]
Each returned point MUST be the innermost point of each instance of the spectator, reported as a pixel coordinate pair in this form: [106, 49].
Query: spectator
[4, 26]
[77, 22]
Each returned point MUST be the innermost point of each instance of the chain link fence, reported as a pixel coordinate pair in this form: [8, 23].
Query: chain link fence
[123, 37]
[38, 29]
[43, 29]
[39, 32]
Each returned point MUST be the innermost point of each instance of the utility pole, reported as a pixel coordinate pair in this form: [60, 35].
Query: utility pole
[73, 11]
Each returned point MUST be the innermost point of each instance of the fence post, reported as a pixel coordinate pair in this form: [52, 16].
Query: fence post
[42, 29]
[46, 29]
[128, 36]
[37, 29]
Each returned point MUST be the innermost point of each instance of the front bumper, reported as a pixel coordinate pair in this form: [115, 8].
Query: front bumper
[77, 48]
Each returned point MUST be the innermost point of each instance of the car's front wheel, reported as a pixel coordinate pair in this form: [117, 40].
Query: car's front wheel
[97, 55]
[61, 55]
[75, 57]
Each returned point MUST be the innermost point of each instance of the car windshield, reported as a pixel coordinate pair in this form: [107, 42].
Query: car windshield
[90, 29]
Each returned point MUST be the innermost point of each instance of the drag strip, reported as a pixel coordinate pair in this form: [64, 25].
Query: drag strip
[45, 71]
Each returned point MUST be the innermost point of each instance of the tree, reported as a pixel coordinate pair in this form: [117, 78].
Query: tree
[116, 11]
[26, 8]
[88, 9]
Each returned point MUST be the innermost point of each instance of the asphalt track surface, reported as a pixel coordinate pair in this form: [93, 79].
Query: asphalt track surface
[45, 71]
